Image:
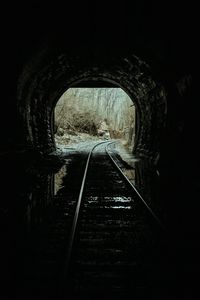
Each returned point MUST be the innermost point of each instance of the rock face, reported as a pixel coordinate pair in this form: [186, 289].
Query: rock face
[111, 109]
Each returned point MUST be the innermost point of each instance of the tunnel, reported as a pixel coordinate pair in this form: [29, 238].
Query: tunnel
[37, 99]
[149, 51]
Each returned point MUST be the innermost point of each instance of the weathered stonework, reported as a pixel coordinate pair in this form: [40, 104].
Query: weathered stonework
[45, 80]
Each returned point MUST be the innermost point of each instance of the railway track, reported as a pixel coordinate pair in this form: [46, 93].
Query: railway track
[100, 237]
[111, 244]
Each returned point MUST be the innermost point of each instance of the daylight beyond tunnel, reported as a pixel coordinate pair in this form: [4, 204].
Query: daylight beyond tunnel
[89, 113]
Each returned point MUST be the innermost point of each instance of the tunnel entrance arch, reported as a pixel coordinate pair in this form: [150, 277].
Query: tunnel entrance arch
[46, 78]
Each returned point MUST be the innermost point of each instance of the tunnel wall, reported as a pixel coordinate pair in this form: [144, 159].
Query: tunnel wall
[47, 77]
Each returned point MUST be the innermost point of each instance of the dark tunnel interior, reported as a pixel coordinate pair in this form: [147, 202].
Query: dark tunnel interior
[147, 49]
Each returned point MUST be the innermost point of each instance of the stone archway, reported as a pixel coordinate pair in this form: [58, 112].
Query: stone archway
[47, 76]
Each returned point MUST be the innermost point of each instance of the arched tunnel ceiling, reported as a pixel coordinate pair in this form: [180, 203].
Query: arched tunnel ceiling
[159, 32]
[50, 74]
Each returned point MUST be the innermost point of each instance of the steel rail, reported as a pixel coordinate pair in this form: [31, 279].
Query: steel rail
[134, 188]
[76, 215]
